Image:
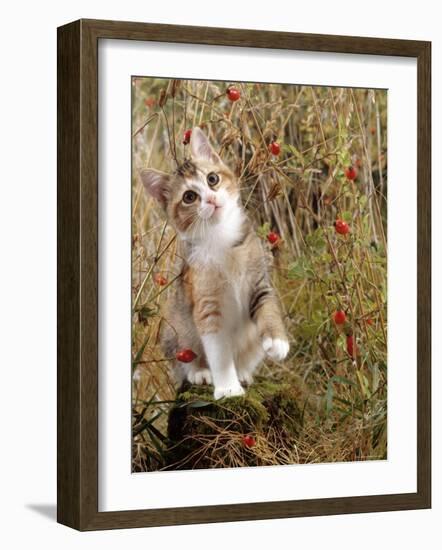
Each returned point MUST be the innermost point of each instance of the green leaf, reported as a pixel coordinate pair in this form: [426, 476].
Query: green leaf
[198, 404]
[342, 134]
[346, 216]
[344, 402]
[140, 351]
[194, 404]
[363, 201]
[146, 424]
[157, 433]
[316, 240]
[342, 380]
[147, 311]
[263, 231]
[309, 329]
[375, 379]
[326, 258]
[156, 441]
[363, 383]
[287, 148]
[301, 269]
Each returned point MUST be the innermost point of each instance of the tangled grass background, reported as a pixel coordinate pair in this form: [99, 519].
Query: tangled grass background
[329, 164]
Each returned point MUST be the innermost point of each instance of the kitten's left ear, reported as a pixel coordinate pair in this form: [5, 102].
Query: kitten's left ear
[201, 148]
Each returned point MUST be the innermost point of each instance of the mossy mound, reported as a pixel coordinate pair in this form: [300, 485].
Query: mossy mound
[257, 429]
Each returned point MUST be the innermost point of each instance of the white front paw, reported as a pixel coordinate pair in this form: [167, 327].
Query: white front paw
[199, 376]
[228, 391]
[276, 348]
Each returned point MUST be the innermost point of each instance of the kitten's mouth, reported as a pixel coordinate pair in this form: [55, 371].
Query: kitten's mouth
[215, 209]
[210, 212]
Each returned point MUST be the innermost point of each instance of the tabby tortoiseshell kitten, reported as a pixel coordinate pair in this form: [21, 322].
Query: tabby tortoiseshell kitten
[223, 306]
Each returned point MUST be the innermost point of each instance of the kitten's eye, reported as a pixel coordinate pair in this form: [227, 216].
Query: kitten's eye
[212, 179]
[189, 197]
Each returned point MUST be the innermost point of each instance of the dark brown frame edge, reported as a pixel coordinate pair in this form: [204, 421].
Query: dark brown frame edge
[77, 225]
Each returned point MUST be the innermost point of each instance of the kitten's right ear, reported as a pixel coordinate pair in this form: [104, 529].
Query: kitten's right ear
[156, 184]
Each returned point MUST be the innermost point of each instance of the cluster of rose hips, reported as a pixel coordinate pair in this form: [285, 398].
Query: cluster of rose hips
[339, 317]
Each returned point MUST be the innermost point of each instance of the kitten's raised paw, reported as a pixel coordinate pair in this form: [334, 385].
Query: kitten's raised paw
[276, 348]
[232, 391]
[199, 376]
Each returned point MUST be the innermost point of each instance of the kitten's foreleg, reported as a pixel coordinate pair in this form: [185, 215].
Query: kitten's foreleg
[219, 355]
[215, 338]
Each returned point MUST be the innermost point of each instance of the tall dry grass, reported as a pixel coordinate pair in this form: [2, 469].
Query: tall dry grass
[298, 194]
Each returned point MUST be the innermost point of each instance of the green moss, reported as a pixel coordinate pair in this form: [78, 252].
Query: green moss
[205, 433]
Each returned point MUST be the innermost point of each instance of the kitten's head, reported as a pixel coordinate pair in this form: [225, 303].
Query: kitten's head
[201, 195]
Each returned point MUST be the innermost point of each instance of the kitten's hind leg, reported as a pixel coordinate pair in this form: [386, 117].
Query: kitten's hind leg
[247, 363]
[245, 377]
[197, 374]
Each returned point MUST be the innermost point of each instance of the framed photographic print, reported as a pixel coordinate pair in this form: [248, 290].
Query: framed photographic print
[243, 275]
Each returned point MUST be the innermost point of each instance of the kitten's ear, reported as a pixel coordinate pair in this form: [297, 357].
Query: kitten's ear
[201, 148]
[156, 184]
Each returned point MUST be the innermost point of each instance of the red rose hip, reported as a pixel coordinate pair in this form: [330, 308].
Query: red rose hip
[160, 280]
[275, 148]
[233, 93]
[186, 355]
[351, 173]
[273, 237]
[186, 136]
[149, 102]
[249, 441]
[339, 317]
[341, 227]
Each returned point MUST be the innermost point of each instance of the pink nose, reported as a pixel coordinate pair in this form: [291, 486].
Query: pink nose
[211, 200]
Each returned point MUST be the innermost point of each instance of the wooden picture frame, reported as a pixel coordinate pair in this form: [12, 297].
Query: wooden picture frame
[78, 274]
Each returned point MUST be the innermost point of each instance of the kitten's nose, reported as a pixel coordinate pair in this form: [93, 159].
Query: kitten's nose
[211, 200]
